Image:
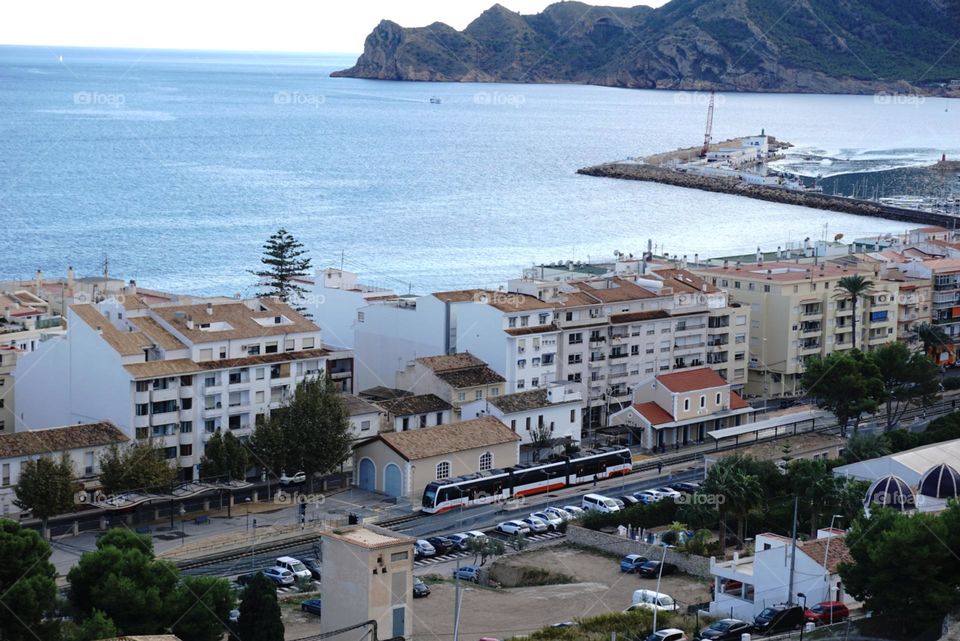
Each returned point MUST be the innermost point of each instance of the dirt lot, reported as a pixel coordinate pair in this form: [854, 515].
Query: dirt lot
[600, 587]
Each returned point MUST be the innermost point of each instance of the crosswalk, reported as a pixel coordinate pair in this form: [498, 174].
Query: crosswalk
[453, 556]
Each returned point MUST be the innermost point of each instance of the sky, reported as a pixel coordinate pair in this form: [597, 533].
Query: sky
[243, 25]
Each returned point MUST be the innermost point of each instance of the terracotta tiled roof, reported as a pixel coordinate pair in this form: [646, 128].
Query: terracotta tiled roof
[613, 290]
[125, 343]
[691, 379]
[535, 329]
[59, 439]
[241, 319]
[179, 366]
[635, 317]
[428, 442]
[654, 414]
[683, 280]
[737, 403]
[520, 401]
[410, 405]
[356, 405]
[156, 333]
[470, 377]
[504, 301]
[450, 361]
[838, 552]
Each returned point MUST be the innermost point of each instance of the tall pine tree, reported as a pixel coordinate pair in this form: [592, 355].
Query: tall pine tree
[259, 612]
[284, 259]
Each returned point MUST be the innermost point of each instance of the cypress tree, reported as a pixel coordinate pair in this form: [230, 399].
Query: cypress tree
[260, 612]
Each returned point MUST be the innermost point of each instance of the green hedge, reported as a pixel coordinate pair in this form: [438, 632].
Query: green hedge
[638, 516]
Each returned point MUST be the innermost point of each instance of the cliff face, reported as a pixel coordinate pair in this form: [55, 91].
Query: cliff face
[830, 46]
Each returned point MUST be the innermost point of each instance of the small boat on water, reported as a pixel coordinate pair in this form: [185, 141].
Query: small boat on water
[434, 101]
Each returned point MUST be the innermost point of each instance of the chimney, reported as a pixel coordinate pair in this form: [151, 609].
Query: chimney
[725, 266]
[71, 275]
[696, 260]
[759, 256]
[209, 309]
[38, 281]
[133, 287]
[683, 263]
[779, 253]
[738, 266]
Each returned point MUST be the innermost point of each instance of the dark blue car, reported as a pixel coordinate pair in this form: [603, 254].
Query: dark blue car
[632, 562]
[312, 606]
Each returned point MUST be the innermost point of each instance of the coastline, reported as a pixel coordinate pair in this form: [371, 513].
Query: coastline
[843, 204]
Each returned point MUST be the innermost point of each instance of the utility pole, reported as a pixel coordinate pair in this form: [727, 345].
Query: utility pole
[793, 552]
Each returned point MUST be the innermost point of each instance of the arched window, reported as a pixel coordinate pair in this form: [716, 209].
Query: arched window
[443, 470]
[486, 461]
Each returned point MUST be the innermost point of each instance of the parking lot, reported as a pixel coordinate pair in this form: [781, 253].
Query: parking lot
[600, 587]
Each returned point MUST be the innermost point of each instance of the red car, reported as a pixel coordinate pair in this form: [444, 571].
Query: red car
[827, 612]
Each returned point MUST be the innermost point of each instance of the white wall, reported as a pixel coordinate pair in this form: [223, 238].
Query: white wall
[42, 386]
[390, 337]
[558, 414]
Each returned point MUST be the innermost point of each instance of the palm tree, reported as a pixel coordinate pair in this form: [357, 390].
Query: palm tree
[747, 496]
[734, 491]
[931, 337]
[853, 288]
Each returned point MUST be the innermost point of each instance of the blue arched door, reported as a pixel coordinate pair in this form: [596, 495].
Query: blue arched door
[367, 479]
[392, 480]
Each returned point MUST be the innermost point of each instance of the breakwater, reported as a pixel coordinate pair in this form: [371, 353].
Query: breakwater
[731, 185]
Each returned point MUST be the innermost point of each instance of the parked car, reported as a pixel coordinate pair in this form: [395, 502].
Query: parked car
[729, 585]
[725, 630]
[423, 549]
[245, 579]
[574, 511]
[476, 534]
[564, 624]
[299, 570]
[647, 496]
[468, 573]
[668, 634]
[654, 601]
[536, 525]
[777, 619]
[460, 540]
[628, 500]
[233, 616]
[420, 589]
[553, 522]
[314, 567]
[599, 503]
[311, 605]
[668, 493]
[561, 512]
[513, 527]
[686, 487]
[298, 477]
[279, 575]
[632, 562]
[441, 544]
[651, 569]
[827, 612]
[619, 502]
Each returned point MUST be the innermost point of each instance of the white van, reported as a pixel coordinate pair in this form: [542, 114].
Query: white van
[599, 503]
[654, 601]
[299, 570]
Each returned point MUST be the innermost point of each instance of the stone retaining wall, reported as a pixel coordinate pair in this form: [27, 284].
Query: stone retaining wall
[696, 565]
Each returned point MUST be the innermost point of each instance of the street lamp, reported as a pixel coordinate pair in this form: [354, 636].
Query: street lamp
[183, 532]
[659, 575]
[804, 624]
[247, 501]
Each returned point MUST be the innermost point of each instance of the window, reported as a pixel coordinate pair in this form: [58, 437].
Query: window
[423, 420]
[308, 343]
[223, 353]
[686, 405]
[439, 418]
[364, 426]
[6, 474]
[186, 427]
[143, 386]
[486, 461]
[569, 316]
[544, 318]
[521, 384]
[461, 396]
[186, 380]
[271, 348]
[142, 409]
[512, 321]
[210, 426]
[360, 317]
[259, 397]
[478, 394]
[289, 345]
[535, 381]
[513, 424]
[443, 470]
[634, 350]
[527, 423]
[575, 338]
[703, 401]
[521, 363]
[253, 350]
[719, 396]
[573, 416]
[206, 354]
[494, 391]
[524, 321]
[405, 424]
[399, 556]
[573, 359]
[186, 403]
[766, 289]
[186, 449]
[142, 432]
[261, 373]
[170, 452]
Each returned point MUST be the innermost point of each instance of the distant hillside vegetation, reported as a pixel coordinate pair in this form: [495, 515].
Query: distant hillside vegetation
[824, 46]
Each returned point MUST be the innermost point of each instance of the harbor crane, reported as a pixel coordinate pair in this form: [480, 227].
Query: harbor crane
[708, 134]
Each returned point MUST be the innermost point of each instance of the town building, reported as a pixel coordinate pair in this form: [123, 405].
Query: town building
[332, 299]
[412, 411]
[677, 409]
[367, 577]
[403, 463]
[744, 586]
[365, 417]
[83, 444]
[555, 411]
[457, 379]
[909, 465]
[176, 373]
[796, 313]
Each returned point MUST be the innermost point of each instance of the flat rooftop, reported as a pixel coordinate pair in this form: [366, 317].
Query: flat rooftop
[366, 537]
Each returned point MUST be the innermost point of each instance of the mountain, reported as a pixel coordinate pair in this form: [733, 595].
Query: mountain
[823, 46]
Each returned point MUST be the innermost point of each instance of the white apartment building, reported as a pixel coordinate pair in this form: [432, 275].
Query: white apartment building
[333, 298]
[557, 408]
[176, 373]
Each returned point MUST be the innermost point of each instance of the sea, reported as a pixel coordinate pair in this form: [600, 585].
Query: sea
[175, 167]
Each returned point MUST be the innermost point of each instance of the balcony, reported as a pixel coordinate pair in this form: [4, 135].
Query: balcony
[616, 355]
[809, 346]
[841, 329]
[686, 329]
[717, 341]
[811, 311]
[810, 328]
[597, 357]
[619, 338]
[686, 347]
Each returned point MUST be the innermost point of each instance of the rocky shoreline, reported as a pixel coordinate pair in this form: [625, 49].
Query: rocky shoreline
[649, 173]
